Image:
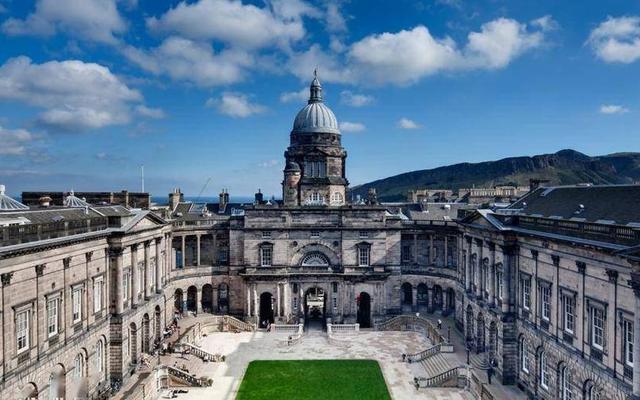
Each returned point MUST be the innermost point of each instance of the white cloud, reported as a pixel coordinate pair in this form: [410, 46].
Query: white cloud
[74, 95]
[299, 96]
[154, 113]
[405, 57]
[355, 99]
[92, 20]
[14, 141]
[351, 126]
[546, 23]
[613, 109]
[617, 40]
[269, 163]
[406, 123]
[334, 19]
[330, 69]
[234, 23]
[235, 105]
[195, 62]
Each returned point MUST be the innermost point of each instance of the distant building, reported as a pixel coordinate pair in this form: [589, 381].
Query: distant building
[499, 194]
[123, 198]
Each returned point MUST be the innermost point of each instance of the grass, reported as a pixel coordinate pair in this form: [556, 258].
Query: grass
[313, 379]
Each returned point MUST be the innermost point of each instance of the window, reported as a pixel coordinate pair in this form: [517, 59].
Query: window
[337, 199]
[544, 373]
[22, 330]
[76, 300]
[316, 198]
[98, 287]
[363, 256]
[526, 293]
[52, 317]
[266, 234]
[524, 356]
[363, 234]
[125, 286]
[78, 366]
[569, 316]
[335, 303]
[266, 253]
[295, 303]
[627, 327]
[315, 169]
[140, 280]
[406, 253]
[545, 295]
[500, 284]
[223, 256]
[597, 328]
[100, 356]
[315, 234]
[566, 391]
[53, 387]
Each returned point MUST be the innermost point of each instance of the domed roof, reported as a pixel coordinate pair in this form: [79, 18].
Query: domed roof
[9, 204]
[315, 116]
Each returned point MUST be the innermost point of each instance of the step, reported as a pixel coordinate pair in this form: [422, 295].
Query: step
[435, 365]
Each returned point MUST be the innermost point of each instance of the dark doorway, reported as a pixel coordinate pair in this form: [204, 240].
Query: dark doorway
[223, 298]
[192, 296]
[437, 297]
[364, 310]
[207, 298]
[266, 309]
[407, 294]
[423, 296]
[315, 308]
[178, 302]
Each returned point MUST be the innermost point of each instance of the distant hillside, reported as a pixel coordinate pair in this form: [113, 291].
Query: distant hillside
[565, 167]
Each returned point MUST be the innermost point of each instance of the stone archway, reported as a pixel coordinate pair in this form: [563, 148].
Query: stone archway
[178, 301]
[29, 391]
[406, 297]
[266, 309]
[207, 298]
[469, 324]
[493, 340]
[422, 296]
[364, 310]
[192, 299]
[437, 297]
[146, 334]
[57, 382]
[450, 306]
[480, 334]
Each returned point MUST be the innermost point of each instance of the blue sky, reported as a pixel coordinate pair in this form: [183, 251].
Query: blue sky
[92, 89]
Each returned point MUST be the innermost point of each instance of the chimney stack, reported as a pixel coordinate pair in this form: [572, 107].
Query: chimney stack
[259, 199]
[224, 200]
[44, 201]
[174, 198]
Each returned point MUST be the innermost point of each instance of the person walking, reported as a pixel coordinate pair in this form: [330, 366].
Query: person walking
[439, 324]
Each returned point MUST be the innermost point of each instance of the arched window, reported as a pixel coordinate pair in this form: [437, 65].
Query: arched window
[590, 392]
[78, 366]
[542, 370]
[315, 260]
[566, 392]
[337, 199]
[524, 355]
[100, 358]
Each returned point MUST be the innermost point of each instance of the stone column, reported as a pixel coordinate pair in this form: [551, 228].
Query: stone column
[611, 320]
[414, 298]
[415, 248]
[256, 309]
[158, 265]
[147, 292]
[199, 300]
[492, 272]
[116, 279]
[481, 272]
[134, 276]
[248, 301]
[446, 252]
[278, 300]
[468, 266]
[182, 254]
[635, 284]
[198, 250]
[431, 255]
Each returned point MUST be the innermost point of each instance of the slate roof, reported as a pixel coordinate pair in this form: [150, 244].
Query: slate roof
[612, 204]
[195, 211]
[428, 211]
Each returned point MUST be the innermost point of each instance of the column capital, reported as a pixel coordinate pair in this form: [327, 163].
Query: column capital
[613, 275]
[582, 266]
[134, 246]
[634, 282]
[115, 251]
[40, 269]
[6, 278]
[534, 254]
[158, 240]
[556, 260]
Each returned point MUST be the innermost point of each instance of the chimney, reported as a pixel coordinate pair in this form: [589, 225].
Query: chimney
[174, 198]
[372, 196]
[259, 199]
[224, 200]
[44, 201]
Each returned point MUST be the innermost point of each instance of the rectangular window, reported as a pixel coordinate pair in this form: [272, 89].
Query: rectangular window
[597, 328]
[569, 316]
[406, 254]
[266, 234]
[363, 234]
[76, 300]
[140, 280]
[223, 256]
[363, 256]
[628, 342]
[335, 303]
[526, 293]
[266, 253]
[98, 286]
[295, 303]
[22, 330]
[315, 234]
[52, 317]
[335, 287]
[545, 292]
[525, 358]
[544, 373]
[500, 284]
[125, 287]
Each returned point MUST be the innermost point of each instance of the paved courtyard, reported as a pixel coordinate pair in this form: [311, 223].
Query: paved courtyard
[241, 348]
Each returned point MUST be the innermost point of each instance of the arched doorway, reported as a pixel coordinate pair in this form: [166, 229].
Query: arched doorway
[266, 309]
[133, 343]
[469, 323]
[146, 332]
[207, 298]
[450, 306]
[223, 298]
[178, 301]
[480, 334]
[158, 324]
[406, 297]
[364, 310]
[192, 299]
[423, 296]
[29, 391]
[315, 307]
[493, 340]
[437, 297]
[57, 382]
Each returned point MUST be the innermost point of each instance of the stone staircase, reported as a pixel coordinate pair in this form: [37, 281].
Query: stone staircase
[435, 365]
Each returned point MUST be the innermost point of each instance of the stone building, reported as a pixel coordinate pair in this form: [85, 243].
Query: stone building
[545, 290]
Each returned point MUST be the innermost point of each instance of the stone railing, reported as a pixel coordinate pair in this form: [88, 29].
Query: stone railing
[285, 328]
[201, 353]
[343, 329]
[185, 377]
[295, 338]
[422, 355]
[418, 324]
[223, 323]
[441, 379]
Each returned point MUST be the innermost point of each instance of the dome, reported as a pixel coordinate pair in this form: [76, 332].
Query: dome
[293, 167]
[9, 204]
[315, 116]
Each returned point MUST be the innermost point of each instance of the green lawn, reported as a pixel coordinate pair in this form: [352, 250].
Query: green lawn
[313, 380]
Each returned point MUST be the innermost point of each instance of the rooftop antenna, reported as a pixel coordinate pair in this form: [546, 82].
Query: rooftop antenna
[142, 176]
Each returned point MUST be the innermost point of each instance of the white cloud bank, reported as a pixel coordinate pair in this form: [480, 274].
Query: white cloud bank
[617, 40]
[236, 105]
[14, 141]
[355, 99]
[613, 109]
[406, 123]
[352, 127]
